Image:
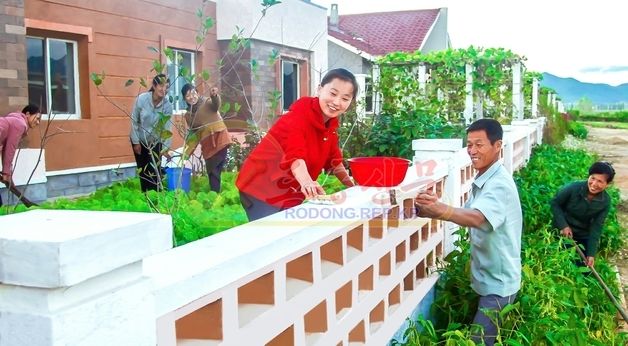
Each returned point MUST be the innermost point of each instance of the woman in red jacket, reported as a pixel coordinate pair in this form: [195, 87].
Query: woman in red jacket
[282, 170]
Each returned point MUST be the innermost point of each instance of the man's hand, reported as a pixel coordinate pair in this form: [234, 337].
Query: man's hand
[566, 232]
[137, 149]
[428, 205]
[590, 261]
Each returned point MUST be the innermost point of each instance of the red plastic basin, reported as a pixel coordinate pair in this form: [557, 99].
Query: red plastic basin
[378, 171]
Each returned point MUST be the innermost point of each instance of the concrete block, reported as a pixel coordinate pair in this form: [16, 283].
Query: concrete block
[113, 309]
[34, 192]
[79, 190]
[93, 178]
[453, 144]
[58, 248]
[62, 182]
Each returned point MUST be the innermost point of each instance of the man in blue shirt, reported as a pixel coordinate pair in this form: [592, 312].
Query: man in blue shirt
[493, 214]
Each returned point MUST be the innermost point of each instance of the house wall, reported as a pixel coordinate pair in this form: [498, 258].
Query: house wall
[13, 84]
[438, 37]
[341, 57]
[113, 36]
[297, 24]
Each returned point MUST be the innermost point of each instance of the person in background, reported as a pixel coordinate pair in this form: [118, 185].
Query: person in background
[580, 208]
[282, 170]
[13, 127]
[146, 136]
[493, 215]
[207, 127]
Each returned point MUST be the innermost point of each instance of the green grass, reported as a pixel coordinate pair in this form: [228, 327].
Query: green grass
[607, 124]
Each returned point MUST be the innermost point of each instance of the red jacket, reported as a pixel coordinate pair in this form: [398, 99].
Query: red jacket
[13, 126]
[298, 134]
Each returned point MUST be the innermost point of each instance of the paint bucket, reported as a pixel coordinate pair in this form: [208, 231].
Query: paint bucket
[179, 178]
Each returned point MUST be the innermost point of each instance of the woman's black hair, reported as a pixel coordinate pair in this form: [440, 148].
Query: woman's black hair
[159, 79]
[602, 167]
[31, 109]
[342, 74]
[185, 89]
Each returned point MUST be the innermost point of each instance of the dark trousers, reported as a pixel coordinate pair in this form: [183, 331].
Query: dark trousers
[214, 167]
[490, 322]
[149, 166]
[256, 209]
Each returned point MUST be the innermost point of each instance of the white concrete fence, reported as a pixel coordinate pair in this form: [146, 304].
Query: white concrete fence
[345, 274]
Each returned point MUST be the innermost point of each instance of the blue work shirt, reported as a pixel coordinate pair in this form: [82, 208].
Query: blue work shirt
[496, 245]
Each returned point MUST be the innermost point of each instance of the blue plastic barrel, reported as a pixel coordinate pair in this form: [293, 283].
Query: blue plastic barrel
[178, 179]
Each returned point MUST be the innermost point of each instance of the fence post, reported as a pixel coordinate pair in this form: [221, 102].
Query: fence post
[435, 152]
[75, 277]
[468, 101]
[535, 98]
[517, 106]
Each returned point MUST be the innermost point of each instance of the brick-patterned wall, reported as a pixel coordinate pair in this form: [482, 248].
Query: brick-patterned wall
[268, 77]
[13, 78]
[236, 77]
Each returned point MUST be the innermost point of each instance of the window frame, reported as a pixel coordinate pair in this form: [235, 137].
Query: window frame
[77, 90]
[175, 83]
[297, 85]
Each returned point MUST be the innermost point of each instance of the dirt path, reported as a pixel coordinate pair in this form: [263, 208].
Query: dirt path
[612, 145]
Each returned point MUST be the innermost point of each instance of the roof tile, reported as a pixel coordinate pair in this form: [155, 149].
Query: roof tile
[385, 32]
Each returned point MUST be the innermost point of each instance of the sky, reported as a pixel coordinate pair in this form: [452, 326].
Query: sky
[586, 40]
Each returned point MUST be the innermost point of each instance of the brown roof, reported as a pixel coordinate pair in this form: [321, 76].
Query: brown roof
[385, 32]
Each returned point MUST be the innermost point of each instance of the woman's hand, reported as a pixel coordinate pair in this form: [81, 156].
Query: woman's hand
[312, 189]
[6, 179]
[566, 232]
[213, 91]
[590, 261]
[137, 149]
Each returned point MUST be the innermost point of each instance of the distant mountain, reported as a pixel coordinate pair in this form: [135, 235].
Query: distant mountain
[571, 90]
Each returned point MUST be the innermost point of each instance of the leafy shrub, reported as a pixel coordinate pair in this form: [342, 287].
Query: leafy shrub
[621, 116]
[392, 135]
[578, 130]
[556, 303]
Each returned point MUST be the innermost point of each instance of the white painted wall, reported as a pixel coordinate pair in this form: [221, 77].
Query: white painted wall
[293, 23]
[438, 36]
[25, 162]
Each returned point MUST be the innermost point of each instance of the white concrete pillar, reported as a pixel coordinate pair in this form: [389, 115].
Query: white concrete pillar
[360, 108]
[535, 98]
[433, 154]
[507, 148]
[422, 79]
[377, 96]
[468, 101]
[517, 107]
[75, 277]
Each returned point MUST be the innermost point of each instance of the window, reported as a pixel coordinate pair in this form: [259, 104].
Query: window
[52, 66]
[178, 71]
[289, 83]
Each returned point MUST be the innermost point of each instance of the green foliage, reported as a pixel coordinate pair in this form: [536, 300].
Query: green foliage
[556, 126]
[621, 116]
[238, 152]
[445, 94]
[557, 304]
[392, 135]
[195, 215]
[578, 130]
